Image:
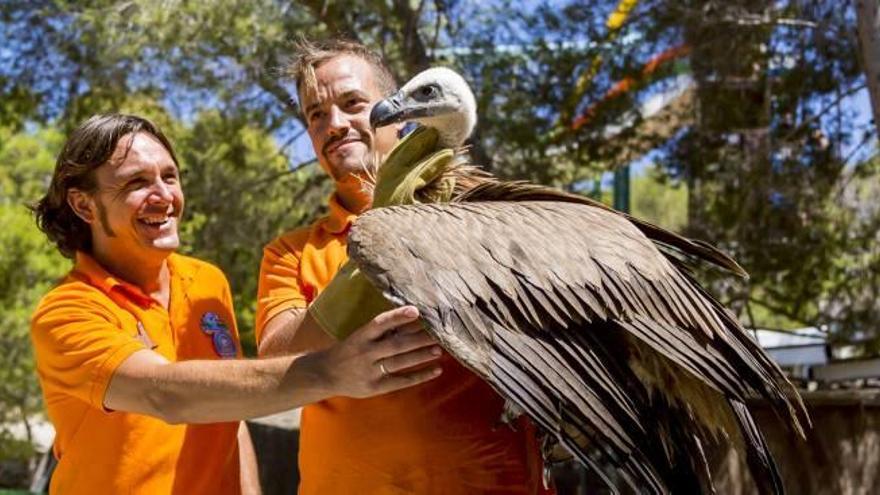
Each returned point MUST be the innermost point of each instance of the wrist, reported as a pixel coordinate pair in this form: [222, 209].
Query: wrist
[317, 379]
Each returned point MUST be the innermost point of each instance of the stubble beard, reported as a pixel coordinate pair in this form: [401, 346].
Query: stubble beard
[104, 219]
[365, 172]
[368, 174]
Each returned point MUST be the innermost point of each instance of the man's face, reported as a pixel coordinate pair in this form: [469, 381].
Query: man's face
[338, 118]
[138, 202]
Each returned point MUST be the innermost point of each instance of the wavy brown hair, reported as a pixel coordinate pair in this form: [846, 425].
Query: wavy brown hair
[88, 147]
[309, 55]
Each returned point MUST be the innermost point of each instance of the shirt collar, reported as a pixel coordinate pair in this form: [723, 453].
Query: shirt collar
[88, 268]
[339, 218]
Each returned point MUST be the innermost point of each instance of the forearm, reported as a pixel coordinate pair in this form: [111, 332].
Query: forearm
[221, 390]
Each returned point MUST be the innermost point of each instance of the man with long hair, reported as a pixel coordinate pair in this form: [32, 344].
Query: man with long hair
[137, 349]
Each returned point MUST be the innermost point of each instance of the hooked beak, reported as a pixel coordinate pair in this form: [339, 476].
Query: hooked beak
[388, 111]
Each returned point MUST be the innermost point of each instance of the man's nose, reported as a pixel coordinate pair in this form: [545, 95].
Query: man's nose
[338, 123]
[161, 192]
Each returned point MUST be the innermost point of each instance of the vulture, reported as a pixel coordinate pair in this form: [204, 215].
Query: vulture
[585, 319]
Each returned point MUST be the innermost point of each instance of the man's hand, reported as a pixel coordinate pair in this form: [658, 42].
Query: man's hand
[392, 351]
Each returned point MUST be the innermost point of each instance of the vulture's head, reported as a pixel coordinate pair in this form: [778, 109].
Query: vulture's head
[429, 165]
[438, 98]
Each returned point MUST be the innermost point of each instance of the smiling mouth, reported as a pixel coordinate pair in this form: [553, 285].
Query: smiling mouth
[156, 221]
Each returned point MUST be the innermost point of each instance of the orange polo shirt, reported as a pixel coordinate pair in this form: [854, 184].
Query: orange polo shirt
[442, 437]
[87, 326]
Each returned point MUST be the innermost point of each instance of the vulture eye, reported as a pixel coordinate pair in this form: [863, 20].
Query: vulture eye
[427, 92]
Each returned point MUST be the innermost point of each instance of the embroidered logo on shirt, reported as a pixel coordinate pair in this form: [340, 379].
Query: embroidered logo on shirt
[212, 325]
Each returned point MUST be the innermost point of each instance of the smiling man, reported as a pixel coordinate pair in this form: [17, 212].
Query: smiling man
[442, 437]
[136, 348]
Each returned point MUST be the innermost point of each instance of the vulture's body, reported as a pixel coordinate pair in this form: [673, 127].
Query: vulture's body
[581, 317]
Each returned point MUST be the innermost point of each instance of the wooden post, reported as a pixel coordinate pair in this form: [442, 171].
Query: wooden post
[621, 189]
[868, 13]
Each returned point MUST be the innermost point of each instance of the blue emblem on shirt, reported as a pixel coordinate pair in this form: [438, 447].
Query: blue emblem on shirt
[224, 345]
[211, 323]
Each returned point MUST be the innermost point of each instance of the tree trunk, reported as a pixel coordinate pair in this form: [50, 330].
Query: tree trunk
[868, 12]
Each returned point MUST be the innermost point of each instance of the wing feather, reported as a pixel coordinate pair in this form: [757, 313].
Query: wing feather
[543, 300]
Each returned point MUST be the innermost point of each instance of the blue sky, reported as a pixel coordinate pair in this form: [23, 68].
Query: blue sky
[185, 104]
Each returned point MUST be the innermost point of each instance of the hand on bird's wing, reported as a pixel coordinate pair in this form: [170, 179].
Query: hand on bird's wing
[392, 351]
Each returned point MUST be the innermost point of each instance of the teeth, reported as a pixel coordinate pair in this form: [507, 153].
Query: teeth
[154, 220]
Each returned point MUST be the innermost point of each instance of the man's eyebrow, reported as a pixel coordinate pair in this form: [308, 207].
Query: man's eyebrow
[351, 93]
[343, 96]
[312, 107]
[130, 175]
[135, 173]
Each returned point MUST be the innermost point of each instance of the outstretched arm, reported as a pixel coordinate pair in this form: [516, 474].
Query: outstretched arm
[213, 391]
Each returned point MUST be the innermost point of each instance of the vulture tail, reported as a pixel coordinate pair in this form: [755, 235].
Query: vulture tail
[681, 448]
[766, 377]
[758, 457]
[496, 190]
[582, 393]
[670, 448]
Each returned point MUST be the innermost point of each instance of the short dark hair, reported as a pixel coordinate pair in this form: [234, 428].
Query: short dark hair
[309, 55]
[88, 147]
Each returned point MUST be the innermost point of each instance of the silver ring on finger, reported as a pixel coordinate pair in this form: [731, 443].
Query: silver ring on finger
[385, 372]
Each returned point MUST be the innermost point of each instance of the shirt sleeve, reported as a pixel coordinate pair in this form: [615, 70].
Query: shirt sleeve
[78, 344]
[280, 286]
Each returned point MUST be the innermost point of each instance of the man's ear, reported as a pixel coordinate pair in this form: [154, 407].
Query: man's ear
[82, 205]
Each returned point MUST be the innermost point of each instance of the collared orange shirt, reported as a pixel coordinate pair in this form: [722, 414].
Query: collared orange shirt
[443, 437]
[82, 330]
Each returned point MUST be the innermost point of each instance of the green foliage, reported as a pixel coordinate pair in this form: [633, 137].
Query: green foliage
[30, 265]
[765, 163]
[659, 200]
[848, 303]
[240, 194]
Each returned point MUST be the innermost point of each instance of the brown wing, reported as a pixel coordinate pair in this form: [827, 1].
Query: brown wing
[483, 187]
[573, 314]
